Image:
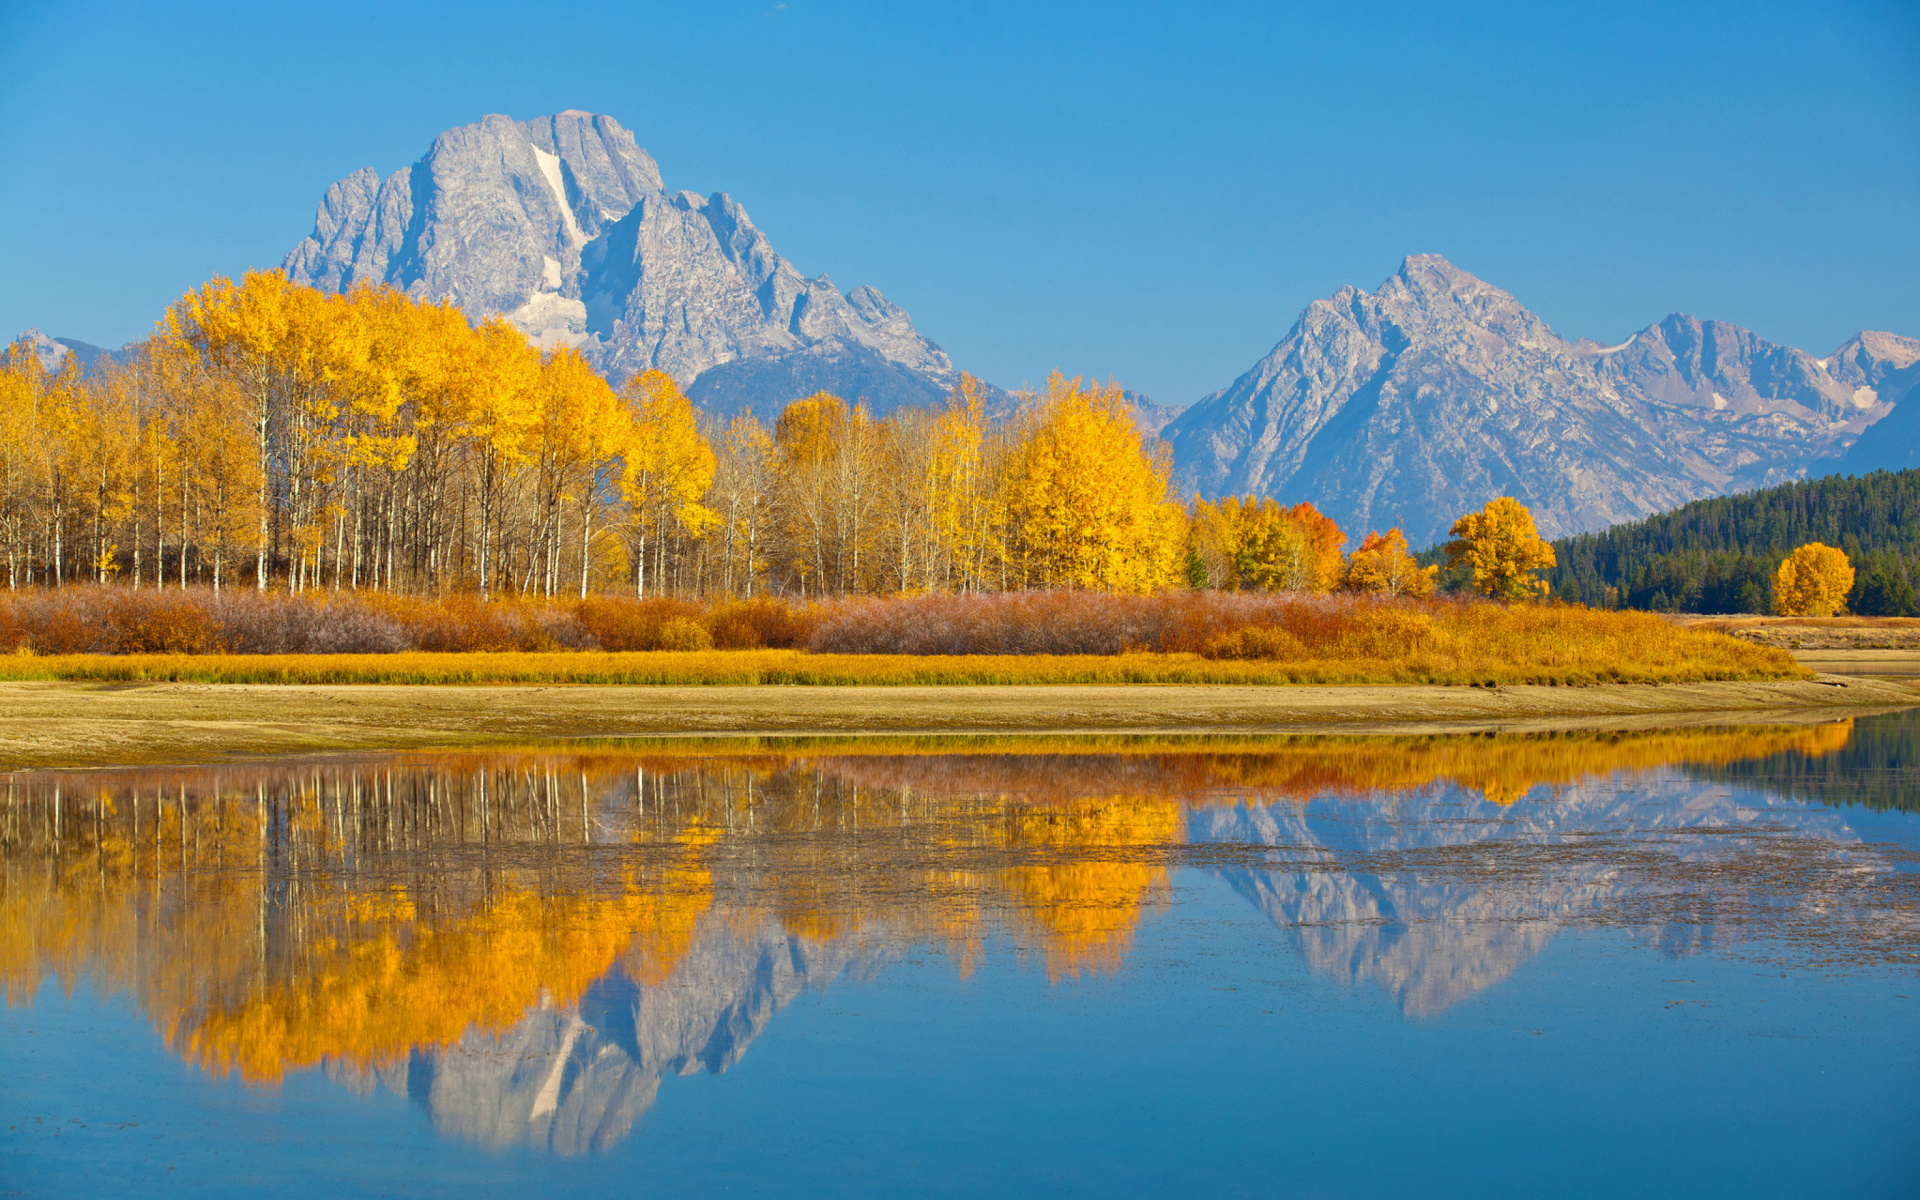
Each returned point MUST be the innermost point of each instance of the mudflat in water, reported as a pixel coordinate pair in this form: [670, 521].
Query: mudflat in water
[1663, 962]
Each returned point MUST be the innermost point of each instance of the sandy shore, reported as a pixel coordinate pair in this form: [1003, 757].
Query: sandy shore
[72, 724]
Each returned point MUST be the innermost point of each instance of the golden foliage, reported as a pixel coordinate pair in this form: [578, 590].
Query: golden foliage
[1382, 566]
[1254, 543]
[1089, 500]
[1813, 581]
[1086, 912]
[1501, 547]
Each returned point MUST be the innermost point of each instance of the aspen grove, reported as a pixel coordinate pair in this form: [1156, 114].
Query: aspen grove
[269, 435]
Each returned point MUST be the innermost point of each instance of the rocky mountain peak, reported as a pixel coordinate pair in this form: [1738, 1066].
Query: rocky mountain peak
[54, 351]
[1868, 357]
[1439, 391]
[50, 352]
[564, 225]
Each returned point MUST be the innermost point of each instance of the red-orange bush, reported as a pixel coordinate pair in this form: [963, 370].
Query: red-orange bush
[1097, 623]
[761, 622]
[616, 624]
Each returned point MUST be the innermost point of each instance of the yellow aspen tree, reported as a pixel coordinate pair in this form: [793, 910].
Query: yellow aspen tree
[808, 437]
[1089, 500]
[101, 449]
[222, 470]
[969, 502]
[155, 379]
[582, 432]
[1213, 541]
[1502, 549]
[23, 458]
[241, 330]
[909, 484]
[61, 428]
[1813, 581]
[668, 467]
[743, 495]
[1382, 566]
[372, 440]
[1274, 553]
[499, 380]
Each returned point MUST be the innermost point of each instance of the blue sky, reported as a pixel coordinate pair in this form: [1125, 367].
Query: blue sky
[1148, 192]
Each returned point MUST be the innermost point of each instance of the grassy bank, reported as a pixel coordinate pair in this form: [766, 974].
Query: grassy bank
[99, 724]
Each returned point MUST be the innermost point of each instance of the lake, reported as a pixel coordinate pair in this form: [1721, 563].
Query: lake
[1667, 962]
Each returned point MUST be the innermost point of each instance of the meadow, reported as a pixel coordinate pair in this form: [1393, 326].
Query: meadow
[119, 634]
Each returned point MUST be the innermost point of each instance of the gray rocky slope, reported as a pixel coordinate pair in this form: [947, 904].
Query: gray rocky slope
[563, 225]
[1437, 392]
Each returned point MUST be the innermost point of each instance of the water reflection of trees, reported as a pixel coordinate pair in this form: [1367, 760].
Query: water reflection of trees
[388, 917]
[1877, 768]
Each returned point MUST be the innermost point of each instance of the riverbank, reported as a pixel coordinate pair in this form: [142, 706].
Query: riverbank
[70, 724]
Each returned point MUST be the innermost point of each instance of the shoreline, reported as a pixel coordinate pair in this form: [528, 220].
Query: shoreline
[73, 725]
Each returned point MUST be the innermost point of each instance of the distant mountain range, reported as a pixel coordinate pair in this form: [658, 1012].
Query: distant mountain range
[1438, 391]
[1405, 406]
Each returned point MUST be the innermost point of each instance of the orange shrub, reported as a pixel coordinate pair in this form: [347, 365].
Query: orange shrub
[616, 624]
[159, 623]
[761, 623]
[1255, 641]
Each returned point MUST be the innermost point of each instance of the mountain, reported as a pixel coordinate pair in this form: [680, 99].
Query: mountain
[1890, 366]
[52, 351]
[563, 224]
[1437, 392]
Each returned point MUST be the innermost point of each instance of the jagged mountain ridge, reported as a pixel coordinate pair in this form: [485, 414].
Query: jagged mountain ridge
[1438, 391]
[564, 225]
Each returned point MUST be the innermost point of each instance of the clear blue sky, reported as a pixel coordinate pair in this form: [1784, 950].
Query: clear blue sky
[1149, 192]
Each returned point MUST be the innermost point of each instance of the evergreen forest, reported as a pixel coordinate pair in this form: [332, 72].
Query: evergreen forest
[1719, 555]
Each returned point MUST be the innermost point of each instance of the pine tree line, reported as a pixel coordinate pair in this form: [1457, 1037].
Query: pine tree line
[1719, 555]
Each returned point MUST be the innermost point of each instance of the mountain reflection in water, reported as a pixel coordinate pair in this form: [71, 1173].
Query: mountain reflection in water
[527, 942]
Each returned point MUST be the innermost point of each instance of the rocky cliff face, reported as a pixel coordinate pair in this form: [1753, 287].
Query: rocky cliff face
[1437, 392]
[563, 224]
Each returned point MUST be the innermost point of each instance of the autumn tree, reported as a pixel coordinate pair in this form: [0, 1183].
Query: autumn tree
[1087, 498]
[1254, 542]
[829, 459]
[1382, 566]
[1813, 581]
[743, 497]
[668, 468]
[1502, 549]
[968, 466]
[579, 437]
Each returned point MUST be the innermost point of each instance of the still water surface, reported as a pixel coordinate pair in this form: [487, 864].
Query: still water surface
[1661, 963]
